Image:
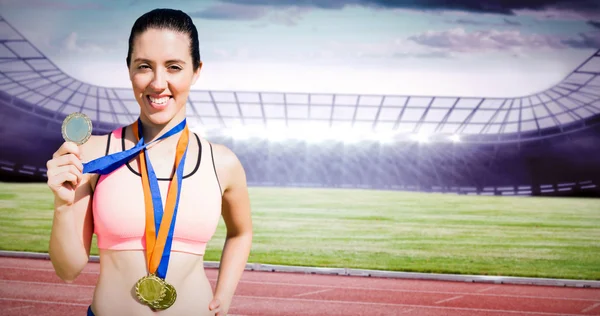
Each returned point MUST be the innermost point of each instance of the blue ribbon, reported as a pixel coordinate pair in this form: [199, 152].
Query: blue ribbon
[109, 163]
[161, 272]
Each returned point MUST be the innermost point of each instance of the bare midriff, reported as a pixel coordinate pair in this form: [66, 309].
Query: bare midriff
[120, 270]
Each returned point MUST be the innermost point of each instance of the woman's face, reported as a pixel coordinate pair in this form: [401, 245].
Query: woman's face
[161, 73]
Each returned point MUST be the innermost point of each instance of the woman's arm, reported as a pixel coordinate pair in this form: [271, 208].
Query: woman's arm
[72, 224]
[71, 236]
[236, 214]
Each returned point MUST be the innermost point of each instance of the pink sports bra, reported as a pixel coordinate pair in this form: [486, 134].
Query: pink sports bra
[119, 212]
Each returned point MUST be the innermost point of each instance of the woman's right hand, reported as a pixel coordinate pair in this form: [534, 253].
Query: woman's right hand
[65, 172]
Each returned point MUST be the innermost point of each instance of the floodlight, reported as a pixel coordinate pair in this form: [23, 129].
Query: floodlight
[420, 137]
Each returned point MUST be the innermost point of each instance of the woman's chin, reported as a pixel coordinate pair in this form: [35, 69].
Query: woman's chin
[156, 118]
[161, 117]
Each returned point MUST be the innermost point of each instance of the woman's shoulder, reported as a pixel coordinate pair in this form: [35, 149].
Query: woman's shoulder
[227, 164]
[222, 154]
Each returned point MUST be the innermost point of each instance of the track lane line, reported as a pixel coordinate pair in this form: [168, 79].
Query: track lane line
[313, 292]
[328, 301]
[367, 289]
[41, 302]
[487, 289]
[589, 308]
[17, 307]
[47, 283]
[291, 299]
[449, 299]
[408, 305]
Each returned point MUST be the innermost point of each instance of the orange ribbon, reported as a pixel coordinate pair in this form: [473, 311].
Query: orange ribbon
[155, 245]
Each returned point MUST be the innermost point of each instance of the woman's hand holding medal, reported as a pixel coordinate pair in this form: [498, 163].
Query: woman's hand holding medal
[65, 169]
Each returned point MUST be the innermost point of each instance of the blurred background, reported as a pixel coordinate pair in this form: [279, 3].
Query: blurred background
[453, 138]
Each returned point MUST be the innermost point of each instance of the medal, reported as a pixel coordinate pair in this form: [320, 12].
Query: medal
[150, 289]
[153, 290]
[77, 128]
[168, 299]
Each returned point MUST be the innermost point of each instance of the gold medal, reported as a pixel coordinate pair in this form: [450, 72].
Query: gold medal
[168, 300]
[153, 290]
[150, 289]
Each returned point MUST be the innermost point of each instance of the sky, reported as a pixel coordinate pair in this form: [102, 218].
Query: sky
[468, 48]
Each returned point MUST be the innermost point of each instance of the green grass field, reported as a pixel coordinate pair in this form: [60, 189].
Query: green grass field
[399, 231]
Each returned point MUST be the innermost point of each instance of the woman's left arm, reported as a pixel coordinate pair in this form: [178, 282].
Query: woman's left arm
[238, 222]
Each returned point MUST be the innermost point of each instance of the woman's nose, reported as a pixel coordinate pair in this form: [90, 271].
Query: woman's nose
[159, 82]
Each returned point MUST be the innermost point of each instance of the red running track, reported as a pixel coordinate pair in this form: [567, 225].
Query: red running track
[30, 287]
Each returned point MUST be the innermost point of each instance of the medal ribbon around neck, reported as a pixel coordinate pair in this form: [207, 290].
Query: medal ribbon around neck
[107, 164]
[160, 224]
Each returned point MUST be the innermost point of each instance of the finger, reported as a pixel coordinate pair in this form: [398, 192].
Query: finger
[67, 159]
[66, 186]
[63, 160]
[78, 176]
[214, 304]
[57, 181]
[65, 169]
[71, 160]
[67, 148]
[61, 177]
[68, 169]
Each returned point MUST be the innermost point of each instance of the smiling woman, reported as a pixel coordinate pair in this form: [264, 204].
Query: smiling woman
[161, 78]
[151, 256]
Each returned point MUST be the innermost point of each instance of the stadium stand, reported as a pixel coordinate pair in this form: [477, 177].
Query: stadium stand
[547, 143]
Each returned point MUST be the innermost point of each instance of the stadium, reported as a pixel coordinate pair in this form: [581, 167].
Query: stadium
[546, 143]
[376, 201]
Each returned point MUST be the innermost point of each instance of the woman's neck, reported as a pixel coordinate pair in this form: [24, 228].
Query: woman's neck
[152, 131]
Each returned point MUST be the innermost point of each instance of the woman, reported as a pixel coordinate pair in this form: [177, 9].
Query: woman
[154, 214]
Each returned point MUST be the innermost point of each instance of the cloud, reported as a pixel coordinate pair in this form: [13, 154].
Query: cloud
[468, 21]
[553, 13]
[595, 24]
[228, 11]
[584, 40]
[333, 51]
[393, 49]
[289, 17]
[52, 4]
[459, 40]
[464, 21]
[433, 54]
[73, 44]
[582, 9]
[321, 4]
[510, 22]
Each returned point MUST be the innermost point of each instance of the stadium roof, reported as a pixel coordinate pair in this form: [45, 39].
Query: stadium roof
[26, 74]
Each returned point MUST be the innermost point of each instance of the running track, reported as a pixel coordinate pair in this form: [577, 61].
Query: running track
[30, 287]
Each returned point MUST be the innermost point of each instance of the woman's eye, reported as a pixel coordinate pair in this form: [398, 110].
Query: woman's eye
[175, 68]
[143, 66]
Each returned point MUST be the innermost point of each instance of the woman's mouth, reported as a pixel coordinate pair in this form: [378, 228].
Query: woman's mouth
[159, 103]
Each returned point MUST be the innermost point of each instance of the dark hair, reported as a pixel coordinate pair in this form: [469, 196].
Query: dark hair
[174, 20]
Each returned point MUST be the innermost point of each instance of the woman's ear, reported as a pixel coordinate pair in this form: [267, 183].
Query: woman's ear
[128, 68]
[197, 73]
